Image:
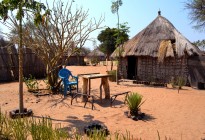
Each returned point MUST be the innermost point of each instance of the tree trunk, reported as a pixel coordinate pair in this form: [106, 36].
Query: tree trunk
[118, 26]
[52, 77]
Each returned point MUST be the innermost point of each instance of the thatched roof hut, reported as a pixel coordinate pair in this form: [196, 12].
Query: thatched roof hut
[95, 56]
[157, 53]
[96, 52]
[76, 58]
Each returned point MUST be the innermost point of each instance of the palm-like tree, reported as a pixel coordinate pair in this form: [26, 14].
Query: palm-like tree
[115, 9]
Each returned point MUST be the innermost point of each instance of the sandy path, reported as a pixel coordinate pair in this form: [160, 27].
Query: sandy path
[176, 116]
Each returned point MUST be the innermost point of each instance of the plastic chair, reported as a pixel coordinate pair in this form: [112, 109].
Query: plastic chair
[65, 74]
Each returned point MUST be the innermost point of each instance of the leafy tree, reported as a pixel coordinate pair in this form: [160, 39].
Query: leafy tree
[64, 31]
[197, 13]
[107, 39]
[200, 44]
[110, 37]
[21, 6]
[122, 34]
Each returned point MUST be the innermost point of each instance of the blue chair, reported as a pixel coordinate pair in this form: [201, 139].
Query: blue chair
[65, 74]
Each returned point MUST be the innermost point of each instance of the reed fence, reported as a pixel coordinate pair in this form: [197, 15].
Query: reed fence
[9, 69]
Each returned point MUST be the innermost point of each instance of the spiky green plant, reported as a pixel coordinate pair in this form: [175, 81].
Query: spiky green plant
[134, 101]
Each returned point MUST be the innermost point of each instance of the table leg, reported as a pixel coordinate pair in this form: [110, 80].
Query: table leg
[101, 90]
[89, 82]
[85, 88]
[106, 87]
[105, 84]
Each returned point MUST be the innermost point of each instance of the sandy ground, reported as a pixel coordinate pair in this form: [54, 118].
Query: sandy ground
[173, 115]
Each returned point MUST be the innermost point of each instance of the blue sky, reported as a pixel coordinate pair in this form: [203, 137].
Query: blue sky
[139, 14]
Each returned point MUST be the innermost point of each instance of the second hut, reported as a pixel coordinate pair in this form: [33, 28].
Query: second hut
[157, 53]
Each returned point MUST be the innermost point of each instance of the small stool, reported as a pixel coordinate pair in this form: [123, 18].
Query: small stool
[113, 97]
[87, 97]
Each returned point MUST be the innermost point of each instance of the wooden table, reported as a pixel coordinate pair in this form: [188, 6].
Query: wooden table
[104, 83]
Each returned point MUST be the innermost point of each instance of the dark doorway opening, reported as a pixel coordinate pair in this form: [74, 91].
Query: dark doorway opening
[131, 69]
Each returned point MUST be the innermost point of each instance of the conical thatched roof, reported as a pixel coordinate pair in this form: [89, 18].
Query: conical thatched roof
[96, 52]
[159, 39]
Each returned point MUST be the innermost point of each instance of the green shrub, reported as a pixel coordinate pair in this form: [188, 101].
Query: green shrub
[112, 78]
[134, 101]
[31, 83]
[178, 82]
[47, 83]
[94, 61]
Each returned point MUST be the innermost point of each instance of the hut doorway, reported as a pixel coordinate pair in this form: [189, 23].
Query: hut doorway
[131, 68]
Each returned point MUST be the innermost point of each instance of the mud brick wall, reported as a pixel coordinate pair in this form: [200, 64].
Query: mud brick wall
[149, 69]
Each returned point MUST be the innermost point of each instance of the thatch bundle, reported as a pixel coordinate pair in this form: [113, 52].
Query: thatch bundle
[163, 50]
[166, 49]
[170, 50]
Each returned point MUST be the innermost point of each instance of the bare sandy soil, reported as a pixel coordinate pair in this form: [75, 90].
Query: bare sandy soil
[174, 115]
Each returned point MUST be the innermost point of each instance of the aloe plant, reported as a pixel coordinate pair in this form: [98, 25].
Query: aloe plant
[134, 101]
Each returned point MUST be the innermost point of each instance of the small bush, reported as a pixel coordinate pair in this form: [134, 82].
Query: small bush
[178, 82]
[47, 83]
[31, 83]
[112, 78]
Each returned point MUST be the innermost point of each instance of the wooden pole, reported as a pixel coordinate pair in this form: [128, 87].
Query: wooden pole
[21, 106]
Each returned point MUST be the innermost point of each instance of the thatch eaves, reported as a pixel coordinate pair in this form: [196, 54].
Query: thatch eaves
[147, 42]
